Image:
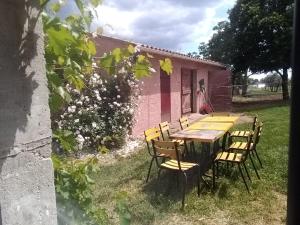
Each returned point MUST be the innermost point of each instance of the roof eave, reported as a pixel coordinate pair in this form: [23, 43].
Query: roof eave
[170, 54]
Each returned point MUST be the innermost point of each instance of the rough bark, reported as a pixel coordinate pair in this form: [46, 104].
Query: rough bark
[245, 84]
[284, 84]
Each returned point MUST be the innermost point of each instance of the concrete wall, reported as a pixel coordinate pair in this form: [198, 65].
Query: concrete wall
[26, 173]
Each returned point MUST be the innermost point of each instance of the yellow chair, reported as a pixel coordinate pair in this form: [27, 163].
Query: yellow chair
[165, 133]
[236, 158]
[152, 134]
[184, 123]
[244, 133]
[240, 146]
[175, 163]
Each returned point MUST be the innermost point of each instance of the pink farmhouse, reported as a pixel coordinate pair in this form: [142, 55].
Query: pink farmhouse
[167, 98]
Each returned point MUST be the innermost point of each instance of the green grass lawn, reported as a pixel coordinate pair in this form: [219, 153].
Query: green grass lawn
[159, 202]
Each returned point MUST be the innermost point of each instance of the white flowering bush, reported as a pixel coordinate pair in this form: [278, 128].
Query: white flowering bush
[102, 115]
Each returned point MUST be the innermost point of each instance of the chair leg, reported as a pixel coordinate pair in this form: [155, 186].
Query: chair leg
[258, 158]
[198, 181]
[247, 172]
[240, 169]
[214, 175]
[204, 181]
[186, 148]
[183, 191]
[177, 178]
[194, 149]
[254, 166]
[149, 170]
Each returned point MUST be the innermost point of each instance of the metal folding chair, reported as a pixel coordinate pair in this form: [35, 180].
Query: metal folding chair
[236, 158]
[175, 163]
[165, 134]
[152, 134]
[244, 133]
[184, 123]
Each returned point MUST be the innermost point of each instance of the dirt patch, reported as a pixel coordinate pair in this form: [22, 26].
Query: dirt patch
[244, 119]
[239, 106]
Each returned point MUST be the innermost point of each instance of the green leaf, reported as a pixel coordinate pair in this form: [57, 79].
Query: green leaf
[141, 58]
[130, 49]
[66, 139]
[73, 77]
[43, 2]
[54, 79]
[91, 47]
[60, 60]
[63, 94]
[55, 102]
[141, 70]
[80, 6]
[59, 40]
[117, 54]
[166, 65]
[96, 3]
[103, 149]
[55, 7]
[108, 63]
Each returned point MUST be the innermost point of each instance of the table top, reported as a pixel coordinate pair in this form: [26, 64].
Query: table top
[208, 129]
[221, 119]
[199, 135]
[210, 126]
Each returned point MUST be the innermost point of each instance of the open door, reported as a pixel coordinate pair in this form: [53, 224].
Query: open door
[186, 91]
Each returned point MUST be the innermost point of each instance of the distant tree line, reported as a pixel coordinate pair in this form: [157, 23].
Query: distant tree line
[256, 39]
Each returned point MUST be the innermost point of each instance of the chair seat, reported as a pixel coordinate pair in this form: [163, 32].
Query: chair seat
[240, 145]
[173, 165]
[162, 155]
[229, 156]
[240, 133]
[180, 142]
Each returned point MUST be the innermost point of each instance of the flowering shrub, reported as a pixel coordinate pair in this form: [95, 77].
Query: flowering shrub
[102, 115]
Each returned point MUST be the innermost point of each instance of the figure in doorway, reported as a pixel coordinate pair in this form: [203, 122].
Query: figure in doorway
[205, 105]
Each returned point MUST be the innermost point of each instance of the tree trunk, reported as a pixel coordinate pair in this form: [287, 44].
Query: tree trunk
[284, 84]
[245, 85]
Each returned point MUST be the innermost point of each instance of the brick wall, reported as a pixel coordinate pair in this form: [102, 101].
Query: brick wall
[220, 90]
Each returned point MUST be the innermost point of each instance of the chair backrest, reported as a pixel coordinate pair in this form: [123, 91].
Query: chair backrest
[151, 134]
[184, 122]
[248, 146]
[220, 114]
[255, 121]
[164, 130]
[168, 148]
[257, 133]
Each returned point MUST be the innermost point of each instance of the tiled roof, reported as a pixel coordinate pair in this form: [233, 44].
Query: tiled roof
[162, 51]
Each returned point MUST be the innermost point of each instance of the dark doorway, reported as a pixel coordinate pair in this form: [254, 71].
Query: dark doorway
[165, 96]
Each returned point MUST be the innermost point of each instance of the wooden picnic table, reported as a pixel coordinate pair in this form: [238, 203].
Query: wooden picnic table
[208, 131]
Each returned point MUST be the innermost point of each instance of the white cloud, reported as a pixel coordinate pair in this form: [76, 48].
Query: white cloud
[177, 25]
